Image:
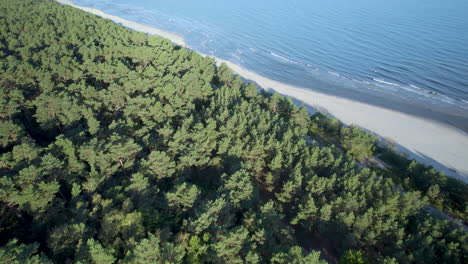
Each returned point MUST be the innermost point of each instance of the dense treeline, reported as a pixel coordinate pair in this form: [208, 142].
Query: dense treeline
[357, 143]
[118, 147]
[443, 192]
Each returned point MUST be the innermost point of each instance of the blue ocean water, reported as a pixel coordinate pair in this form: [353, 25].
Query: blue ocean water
[409, 49]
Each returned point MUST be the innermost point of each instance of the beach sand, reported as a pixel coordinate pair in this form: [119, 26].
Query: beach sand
[428, 141]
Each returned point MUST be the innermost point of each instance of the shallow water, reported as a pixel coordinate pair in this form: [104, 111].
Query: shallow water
[408, 50]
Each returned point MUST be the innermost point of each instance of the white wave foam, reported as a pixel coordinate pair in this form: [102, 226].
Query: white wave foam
[420, 91]
[334, 74]
[293, 61]
[385, 82]
[416, 87]
[282, 57]
[235, 56]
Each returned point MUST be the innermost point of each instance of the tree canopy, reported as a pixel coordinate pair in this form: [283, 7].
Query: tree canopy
[120, 147]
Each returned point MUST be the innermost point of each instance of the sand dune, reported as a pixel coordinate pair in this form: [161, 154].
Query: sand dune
[430, 142]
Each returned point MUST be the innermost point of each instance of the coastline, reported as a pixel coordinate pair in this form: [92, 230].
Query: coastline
[428, 141]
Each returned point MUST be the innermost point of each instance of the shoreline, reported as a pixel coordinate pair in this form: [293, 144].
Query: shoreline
[427, 141]
[445, 115]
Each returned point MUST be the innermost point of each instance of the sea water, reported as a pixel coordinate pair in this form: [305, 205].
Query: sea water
[411, 51]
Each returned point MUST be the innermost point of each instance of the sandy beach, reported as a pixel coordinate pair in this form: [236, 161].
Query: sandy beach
[430, 142]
